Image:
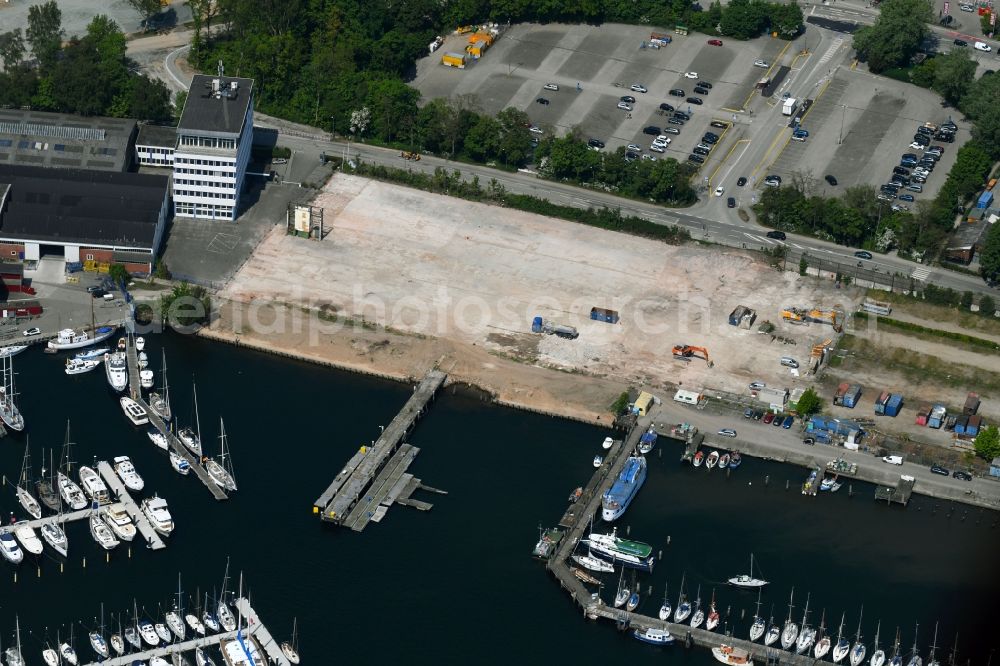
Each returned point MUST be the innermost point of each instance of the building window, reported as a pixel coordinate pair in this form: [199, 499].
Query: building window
[13, 253]
[90, 257]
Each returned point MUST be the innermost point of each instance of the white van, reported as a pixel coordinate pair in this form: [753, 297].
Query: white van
[789, 362]
[893, 460]
[982, 46]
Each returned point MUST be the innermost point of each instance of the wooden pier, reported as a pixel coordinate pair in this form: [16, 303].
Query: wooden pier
[898, 495]
[376, 476]
[142, 524]
[176, 445]
[573, 510]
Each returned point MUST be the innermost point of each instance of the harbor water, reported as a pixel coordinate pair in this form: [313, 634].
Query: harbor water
[457, 582]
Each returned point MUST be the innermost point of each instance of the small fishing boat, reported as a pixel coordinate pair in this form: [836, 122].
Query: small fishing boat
[135, 412]
[71, 339]
[733, 656]
[25, 533]
[575, 496]
[122, 344]
[158, 438]
[699, 458]
[180, 465]
[55, 536]
[608, 443]
[713, 458]
[827, 482]
[140, 343]
[93, 354]
[291, 648]
[598, 460]
[652, 636]
[75, 366]
[724, 461]
[146, 379]
[735, 460]
[102, 533]
[126, 472]
[593, 563]
[647, 441]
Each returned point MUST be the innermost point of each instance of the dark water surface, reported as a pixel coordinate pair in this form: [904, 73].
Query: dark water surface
[458, 582]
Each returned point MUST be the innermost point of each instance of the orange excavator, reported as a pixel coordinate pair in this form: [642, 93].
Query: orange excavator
[687, 352]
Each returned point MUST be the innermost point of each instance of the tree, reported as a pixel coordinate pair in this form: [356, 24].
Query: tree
[146, 8]
[987, 444]
[966, 302]
[45, 33]
[895, 36]
[11, 49]
[989, 258]
[185, 306]
[954, 73]
[987, 306]
[809, 403]
[118, 273]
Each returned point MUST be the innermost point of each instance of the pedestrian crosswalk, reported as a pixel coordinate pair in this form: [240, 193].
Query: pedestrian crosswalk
[920, 273]
[830, 51]
[760, 239]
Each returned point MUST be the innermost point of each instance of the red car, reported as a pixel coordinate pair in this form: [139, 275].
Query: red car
[768, 417]
[715, 42]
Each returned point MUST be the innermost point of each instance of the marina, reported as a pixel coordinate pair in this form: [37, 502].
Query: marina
[375, 476]
[152, 538]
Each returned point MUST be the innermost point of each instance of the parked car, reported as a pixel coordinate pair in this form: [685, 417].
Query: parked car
[778, 420]
[906, 197]
[701, 91]
[773, 181]
[758, 414]
[657, 148]
[698, 159]
[831, 180]
[677, 92]
[741, 181]
[676, 121]
[917, 145]
[777, 235]
[633, 147]
[666, 107]
[893, 460]
[98, 293]
[809, 440]
[964, 476]
[624, 107]
[542, 101]
[710, 137]
[694, 100]
[596, 143]
[704, 84]
[698, 150]
[628, 99]
[748, 413]
[731, 202]
[761, 63]
[635, 87]
[727, 432]
[937, 469]
[631, 157]
[787, 423]
[690, 75]
[682, 115]
[715, 42]
[551, 86]
[756, 386]
[279, 160]
[652, 129]
[671, 130]
[982, 46]
[768, 417]
[789, 362]
[31, 331]
[965, 7]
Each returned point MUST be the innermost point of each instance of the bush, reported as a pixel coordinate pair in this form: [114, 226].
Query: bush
[987, 306]
[619, 405]
[281, 152]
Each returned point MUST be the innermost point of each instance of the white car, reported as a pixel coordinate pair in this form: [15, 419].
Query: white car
[690, 75]
[719, 191]
[633, 147]
[650, 158]
[982, 46]
[551, 86]
[893, 460]
[624, 106]
[761, 63]
[966, 7]
[657, 148]
[727, 432]
[663, 138]
[31, 331]
[917, 146]
[536, 130]
[635, 87]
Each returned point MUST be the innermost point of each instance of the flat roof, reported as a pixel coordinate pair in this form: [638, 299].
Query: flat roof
[156, 135]
[968, 235]
[81, 206]
[208, 110]
[63, 140]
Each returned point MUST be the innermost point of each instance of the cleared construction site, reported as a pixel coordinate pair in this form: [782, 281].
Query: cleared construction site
[544, 291]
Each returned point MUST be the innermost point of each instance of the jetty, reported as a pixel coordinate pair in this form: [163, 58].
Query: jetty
[898, 495]
[256, 629]
[593, 606]
[142, 524]
[176, 445]
[375, 477]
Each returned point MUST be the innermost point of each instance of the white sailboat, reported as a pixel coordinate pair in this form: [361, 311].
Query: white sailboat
[842, 646]
[773, 630]
[174, 617]
[55, 536]
[132, 632]
[97, 642]
[46, 487]
[931, 660]
[158, 438]
[807, 635]
[8, 395]
[192, 620]
[915, 658]
[222, 612]
[117, 644]
[823, 644]
[13, 653]
[50, 656]
[24, 495]
[665, 608]
[208, 617]
[11, 350]
[747, 580]
[67, 651]
[192, 438]
[683, 609]
[858, 650]
[163, 632]
[791, 630]
[878, 657]
[291, 648]
[102, 533]
[698, 617]
[201, 658]
[71, 493]
[159, 402]
[221, 468]
[180, 465]
[758, 626]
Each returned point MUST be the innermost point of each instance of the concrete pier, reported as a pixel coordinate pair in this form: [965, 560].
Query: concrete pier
[142, 523]
[377, 474]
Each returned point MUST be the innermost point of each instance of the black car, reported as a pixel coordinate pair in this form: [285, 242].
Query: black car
[98, 293]
[677, 92]
[937, 469]
[628, 99]
[741, 181]
[696, 158]
[778, 235]
[899, 180]
[542, 100]
[863, 254]
[922, 138]
[652, 129]
[710, 138]
[809, 440]
[666, 107]
[675, 121]
[831, 180]
[964, 476]
[901, 171]
[701, 91]
[906, 197]
[694, 100]
[731, 202]
[758, 414]
[925, 130]
[719, 124]
[947, 137]
[631, 156]
[698, 150]
[595, 143]
[704, 84]
[682, 115]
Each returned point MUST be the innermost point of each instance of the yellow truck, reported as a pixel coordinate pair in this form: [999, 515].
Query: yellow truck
[453, 60]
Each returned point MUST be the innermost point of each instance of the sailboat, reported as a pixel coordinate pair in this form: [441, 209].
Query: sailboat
[823, 644]
[859, 649]
[291, 648]
[747, 580]
[683, 605]
[842, 646]
[221, 468]
[791, 630]
[665, 606]
[46, 487]
[8, 407]
[192, 618]
[202, 659]
[773, 630]
[117, 644]
[807, 635]
[174, 621]
[132, 634]
[633, 598]
[931, 661]
[915, 659]
[712, 621]
[222, 611]
[208, 618]
[878, 657]
[896, 659]
[13, 653]
[24, 495]
[758, 626]
[50, 656]
[699, 615]
[68, 490]
[67, 651]
[159, 402]
[68, 338]
[97, 642]
[192, 438]
[55, 536]
[621, 596]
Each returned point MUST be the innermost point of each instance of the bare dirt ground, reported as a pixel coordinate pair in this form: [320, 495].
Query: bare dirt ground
[458, 280]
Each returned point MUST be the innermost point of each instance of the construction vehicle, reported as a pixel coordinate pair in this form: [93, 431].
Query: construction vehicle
[408, 155]
[464, 29]
[834, 317]
[687, 352]
[540, 325]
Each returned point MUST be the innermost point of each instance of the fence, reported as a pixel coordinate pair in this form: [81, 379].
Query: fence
[860, 276]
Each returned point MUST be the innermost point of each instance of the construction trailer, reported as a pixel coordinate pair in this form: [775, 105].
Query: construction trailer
[605, 315]
[643, 403]
[453, 60]
[742, 317]
[876, 307]
[772, 397]
[687, 397]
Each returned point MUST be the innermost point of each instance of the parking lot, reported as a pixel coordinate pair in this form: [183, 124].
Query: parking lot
[594, 68]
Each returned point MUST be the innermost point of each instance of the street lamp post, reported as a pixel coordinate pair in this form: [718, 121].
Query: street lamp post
[843, 113]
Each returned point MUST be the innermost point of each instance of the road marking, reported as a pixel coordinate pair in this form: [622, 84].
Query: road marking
[726, 158]
[760, 239]
[830, 51]
[797, 246]
[767, 74]
[920, 273]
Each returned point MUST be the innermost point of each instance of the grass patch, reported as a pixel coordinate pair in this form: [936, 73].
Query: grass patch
[914, 305]
[962, 340]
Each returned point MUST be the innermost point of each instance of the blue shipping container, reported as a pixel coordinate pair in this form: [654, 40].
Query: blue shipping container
[894, 405]
[601, 314]
[536, 325]
[852, 396]
[960, 423]
[985, 199]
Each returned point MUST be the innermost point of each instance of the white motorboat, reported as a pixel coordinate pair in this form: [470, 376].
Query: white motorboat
[93, 354]
[126, 472]
[747, 580]
[67, 651]
[180, 465]
[140, 343]
[55, 536]
[594, 563]
[175, 624]
[195, 624]
[117, 518]
[11, 350]
[608, 442]
[71, 492]
[158, 661]
[9, 412]
[148, 633]
[75, 366]
[26, 535]
[116, 370]
[102, 533]
[221, 468]
[733, 656]
[24, 495]
[598, 460]
[50, 657]
[143, 360]
[162, 632]
[135, 412]
[158, 514]
[191, 440]
[202, 658]
[69, 338]
[146, 379]
[158, 438]
[92, 484]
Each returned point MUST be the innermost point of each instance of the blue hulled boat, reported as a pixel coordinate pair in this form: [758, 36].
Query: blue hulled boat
[617, 498]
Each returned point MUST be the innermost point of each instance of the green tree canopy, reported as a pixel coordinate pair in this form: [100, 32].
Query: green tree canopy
[989, 258]
[896, 34]
[987, 443]
[954, 73]
[45, 33]
[809, 403]
[11, 49]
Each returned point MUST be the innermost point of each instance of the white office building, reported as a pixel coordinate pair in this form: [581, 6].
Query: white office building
[214, 137]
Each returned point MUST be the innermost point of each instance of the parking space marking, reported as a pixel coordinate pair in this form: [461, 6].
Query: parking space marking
[223, 243]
